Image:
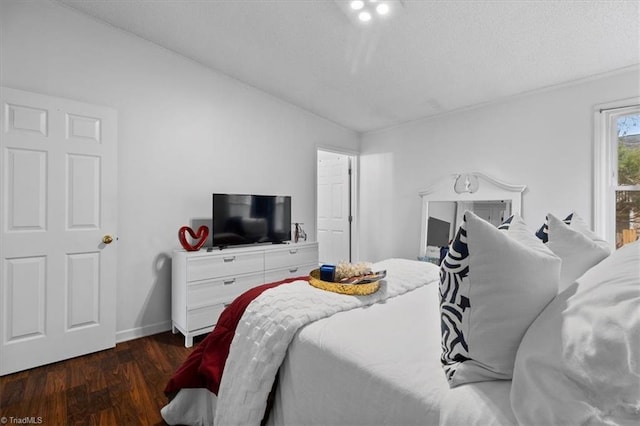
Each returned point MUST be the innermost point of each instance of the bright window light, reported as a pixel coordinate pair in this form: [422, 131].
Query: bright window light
[357, 4]
[364, 16]
[382, 9]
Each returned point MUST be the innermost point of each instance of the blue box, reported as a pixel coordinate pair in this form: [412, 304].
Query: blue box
[327, 273]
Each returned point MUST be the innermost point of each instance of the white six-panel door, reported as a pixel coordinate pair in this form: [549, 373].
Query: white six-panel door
[58, 206]
[333, 207]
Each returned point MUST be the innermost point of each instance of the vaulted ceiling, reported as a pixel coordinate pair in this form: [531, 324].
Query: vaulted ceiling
[425, 58]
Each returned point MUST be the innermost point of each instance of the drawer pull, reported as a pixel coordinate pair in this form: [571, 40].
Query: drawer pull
[293, 251]
[228, 282]
[229, 259]
[292, 270]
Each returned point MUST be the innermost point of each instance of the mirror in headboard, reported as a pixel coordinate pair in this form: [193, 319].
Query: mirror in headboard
[444, 203]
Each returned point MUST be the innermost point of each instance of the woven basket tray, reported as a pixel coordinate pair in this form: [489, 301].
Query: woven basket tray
[355, 289]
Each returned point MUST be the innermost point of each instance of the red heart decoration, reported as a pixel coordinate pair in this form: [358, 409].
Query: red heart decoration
[200, 236]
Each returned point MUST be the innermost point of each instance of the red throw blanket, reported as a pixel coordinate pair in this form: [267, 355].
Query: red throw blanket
[204, 366]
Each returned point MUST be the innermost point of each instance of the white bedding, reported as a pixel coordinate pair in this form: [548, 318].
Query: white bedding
[579, 362]
[369, 366]
[381, 366]
[478, 404]
[270, 322]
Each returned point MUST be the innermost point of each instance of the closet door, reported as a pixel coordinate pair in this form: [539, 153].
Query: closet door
[58, 205]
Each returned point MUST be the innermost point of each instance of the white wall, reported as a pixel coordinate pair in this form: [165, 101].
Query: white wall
[184, 132]
[543, 140]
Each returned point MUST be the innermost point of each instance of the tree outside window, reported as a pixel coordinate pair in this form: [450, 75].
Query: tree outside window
[628, 182]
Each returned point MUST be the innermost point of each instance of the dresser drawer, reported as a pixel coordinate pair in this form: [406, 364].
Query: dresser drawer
[293, 255]
[221, 265]
[220, 290]
[290, 272]
[205, 282]
[205, 316]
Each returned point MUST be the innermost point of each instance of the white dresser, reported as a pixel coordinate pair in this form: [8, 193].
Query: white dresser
[204, 282]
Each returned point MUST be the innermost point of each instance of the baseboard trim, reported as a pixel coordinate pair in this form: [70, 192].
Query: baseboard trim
[138, 332]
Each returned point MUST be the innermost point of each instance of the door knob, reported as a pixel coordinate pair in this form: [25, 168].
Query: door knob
[107, 239]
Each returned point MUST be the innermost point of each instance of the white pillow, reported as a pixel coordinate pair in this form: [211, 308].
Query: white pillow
[579, 248]
[579, 362]
[493, 284]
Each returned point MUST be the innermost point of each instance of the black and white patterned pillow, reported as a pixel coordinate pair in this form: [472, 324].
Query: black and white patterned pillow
[453, 270]
[502, 278]
[453, 302]
[504, 226]
[543, 231]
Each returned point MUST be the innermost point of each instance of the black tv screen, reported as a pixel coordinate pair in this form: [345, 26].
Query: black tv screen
[250, 219]
[438, 232]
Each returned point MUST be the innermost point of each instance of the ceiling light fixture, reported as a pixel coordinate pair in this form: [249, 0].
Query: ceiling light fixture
[367, 13]
[366, 10]
[382, 9]
[364, 16]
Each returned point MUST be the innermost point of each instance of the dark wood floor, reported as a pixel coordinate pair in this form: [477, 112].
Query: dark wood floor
[120, 386]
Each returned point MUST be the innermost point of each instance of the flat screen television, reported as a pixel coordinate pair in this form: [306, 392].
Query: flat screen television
[250, 219]
[438, 232]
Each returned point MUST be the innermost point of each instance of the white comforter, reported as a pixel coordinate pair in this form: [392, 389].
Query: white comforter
[377, 365]
[579, 363]
[270, 323]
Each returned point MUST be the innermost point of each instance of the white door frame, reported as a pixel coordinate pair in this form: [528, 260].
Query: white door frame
[354, 185]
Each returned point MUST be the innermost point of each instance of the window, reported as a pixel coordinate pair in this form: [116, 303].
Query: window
[628, 178]
[617, 172]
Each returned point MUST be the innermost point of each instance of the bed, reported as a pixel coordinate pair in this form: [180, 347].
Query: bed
[554, 340]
